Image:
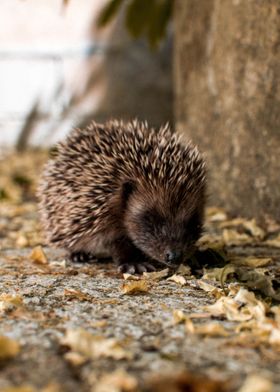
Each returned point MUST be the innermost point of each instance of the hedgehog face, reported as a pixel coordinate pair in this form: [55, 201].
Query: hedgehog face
[167, 238]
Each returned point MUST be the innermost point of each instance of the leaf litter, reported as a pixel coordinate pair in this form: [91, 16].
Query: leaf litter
[242, 290]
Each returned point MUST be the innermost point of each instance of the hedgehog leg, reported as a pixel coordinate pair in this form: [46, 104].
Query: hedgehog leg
[128, 258]
[81, 257]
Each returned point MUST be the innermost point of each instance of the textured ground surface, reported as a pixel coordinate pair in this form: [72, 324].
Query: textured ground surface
[80, 328]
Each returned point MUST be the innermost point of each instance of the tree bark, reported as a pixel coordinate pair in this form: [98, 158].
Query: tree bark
[227, 94]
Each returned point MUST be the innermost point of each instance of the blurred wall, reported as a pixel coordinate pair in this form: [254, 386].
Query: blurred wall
[227, 76]
[57, 66]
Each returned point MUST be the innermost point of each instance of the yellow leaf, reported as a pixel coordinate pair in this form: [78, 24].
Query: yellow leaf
[118, 381]
[10, 301]
[232, 237]
[178, 316]
[38, 256]
[275, 242]
[178, 279]
[135, 287]
[94, 347]
[256, 383]
[209, 329]
[157, 275]
[251, 261]
[9, 348]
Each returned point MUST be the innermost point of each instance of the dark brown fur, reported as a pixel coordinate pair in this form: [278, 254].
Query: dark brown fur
[134, 192]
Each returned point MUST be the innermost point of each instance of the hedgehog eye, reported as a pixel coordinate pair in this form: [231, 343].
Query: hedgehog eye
[152, 218]
[127, 188]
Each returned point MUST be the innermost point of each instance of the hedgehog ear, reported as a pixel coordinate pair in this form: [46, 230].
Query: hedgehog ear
[128, 188]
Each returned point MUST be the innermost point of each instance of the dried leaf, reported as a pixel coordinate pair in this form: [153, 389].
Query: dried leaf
[24, 388]
[74, 358]
[77, 294]
[251, 261]
[38, 255]
[184, 381]
[184, 270]
[9, 348]
[127, 276]
[229, 308]
[156, 275]
[118, 381]
[210, 241]
[209, 288]
[232, 237]
[178, 316]
[256, 280]
[10, 301]
[215, 214]
[219, 274]
[256, 383]
[250, 225]
[210, 329]
[178, 279]
[94, 347]
[275, 242]
[135, 287]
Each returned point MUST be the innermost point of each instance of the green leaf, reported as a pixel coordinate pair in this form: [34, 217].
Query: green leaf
[138, 14]
[158, 23]
[108, 12]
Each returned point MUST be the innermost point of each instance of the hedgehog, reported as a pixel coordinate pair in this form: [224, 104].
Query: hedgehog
[127, 191]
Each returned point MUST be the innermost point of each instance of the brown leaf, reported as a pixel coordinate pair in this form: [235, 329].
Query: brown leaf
[178, 279]
[135, 287]
[94, 347]
[184, 381]
[157, 275]
[118, 381]
[38, 255]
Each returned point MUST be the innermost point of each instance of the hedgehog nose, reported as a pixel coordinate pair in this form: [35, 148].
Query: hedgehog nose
[173, 256]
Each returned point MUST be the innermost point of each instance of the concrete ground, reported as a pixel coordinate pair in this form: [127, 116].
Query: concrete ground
[83, 327]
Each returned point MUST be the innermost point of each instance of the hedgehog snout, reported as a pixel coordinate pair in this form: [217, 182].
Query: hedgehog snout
[173, 256]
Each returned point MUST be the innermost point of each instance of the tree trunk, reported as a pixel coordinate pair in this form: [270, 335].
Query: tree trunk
[227, 92]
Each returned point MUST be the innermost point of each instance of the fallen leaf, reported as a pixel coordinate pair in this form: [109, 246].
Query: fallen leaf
[156, 275]
[256, 280]
[9, 302]
[77, 294]
[250, 225]
[232, 237]
[215, 214]
[94, 347]
[251, 261]
[210, 241]
[52, 387]
[219, 274]
[23, 388]
[135, 287]
[9, 348]
[275, 242]
[178, 279]
[74, 358]
[209, 288]
[127, 276]
[208, 329]
[38, 256]
[22, 241]
[184, 381]
[178, 316]
[118, 381]
[256, 383]
[184, 270]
